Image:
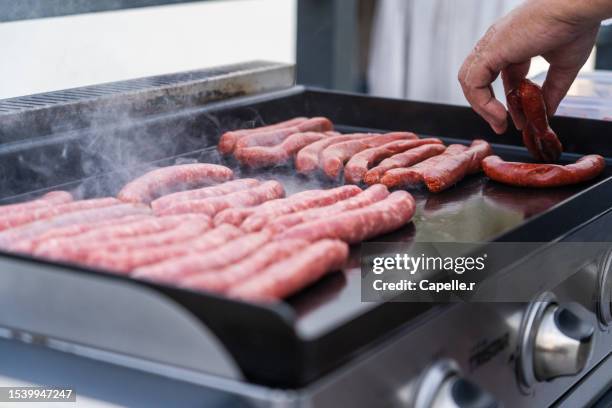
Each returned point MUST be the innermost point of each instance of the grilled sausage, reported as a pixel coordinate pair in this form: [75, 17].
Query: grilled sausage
[171, 179]
[206, 192]
[197, 263]
[76, 248]
[538, 137]
[373, 194]
[262, 217]
[267, 191]
[293, 274]
[28, 245]
[227, 143]
[125, 261]
[358, 225]
[414, 175]
[236, 216]
[454, 168]
[543, 175]
[307, 159]
[18, 218]
[34, 229]
[358, 165]
[334, 157]
[267, 156]
[51, 198]
[99, 255]
[275, 137]
[406, 159]
[233, 275]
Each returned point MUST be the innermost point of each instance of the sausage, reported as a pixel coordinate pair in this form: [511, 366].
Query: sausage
[184, 229]
[263, 216]
[406, 159]
[413, 175]
[307, 159]
[543, 175]
[31, 230]
[28, 245]
[358, 225]
[293, 274]
[125, 261]
[206, 192]
[266, 191]
[99, 256]
[236, 216]
[15, 219]
[266, 156]
[77, 247]
[538, 137]
[197, 263]
[373, 194]
[275, 137]
[454, 168]
[51, 198]
[359, 164]
[228, 139]
[230, 276]
[170, 179]
[334, 157]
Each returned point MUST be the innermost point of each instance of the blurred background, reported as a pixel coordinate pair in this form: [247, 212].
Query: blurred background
[384, 47]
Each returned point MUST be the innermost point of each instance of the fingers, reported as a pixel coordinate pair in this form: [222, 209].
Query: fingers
[512, 76]
[557, 83]
[476, 77]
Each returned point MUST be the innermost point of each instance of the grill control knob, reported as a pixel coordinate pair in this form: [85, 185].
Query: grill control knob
[457, 392]
[563, 343]
[443, 386]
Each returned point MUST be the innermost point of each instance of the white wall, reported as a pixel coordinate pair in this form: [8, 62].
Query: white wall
[64, 52]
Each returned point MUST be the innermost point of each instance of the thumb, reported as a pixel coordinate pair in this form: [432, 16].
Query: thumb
[557, 83]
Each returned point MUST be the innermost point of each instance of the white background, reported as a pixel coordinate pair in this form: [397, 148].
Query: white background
[65, 52]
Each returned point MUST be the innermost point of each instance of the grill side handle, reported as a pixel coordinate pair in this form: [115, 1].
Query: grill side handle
[106, 319]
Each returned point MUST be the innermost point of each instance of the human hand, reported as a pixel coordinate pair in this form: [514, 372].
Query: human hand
[555, 29]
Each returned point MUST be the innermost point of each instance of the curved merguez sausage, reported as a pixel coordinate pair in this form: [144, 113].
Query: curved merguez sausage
[370, 196]
[454, 168]
[34, 229]
[267, 156]
[293, 274]
[333, 158]
[171, 179]
[307, 159]
[358, 225]
[229, 139]
[275, 137]
[543, 175]
[206, 192]
[413, 175]
[228, 277]
[538, 137]
[266, 191]
[406, 159]
[18, 218]
[358, 165]
[128, 260]
[196, 263]
[327, 197]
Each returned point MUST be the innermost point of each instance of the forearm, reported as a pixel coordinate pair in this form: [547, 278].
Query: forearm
[581, 11]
